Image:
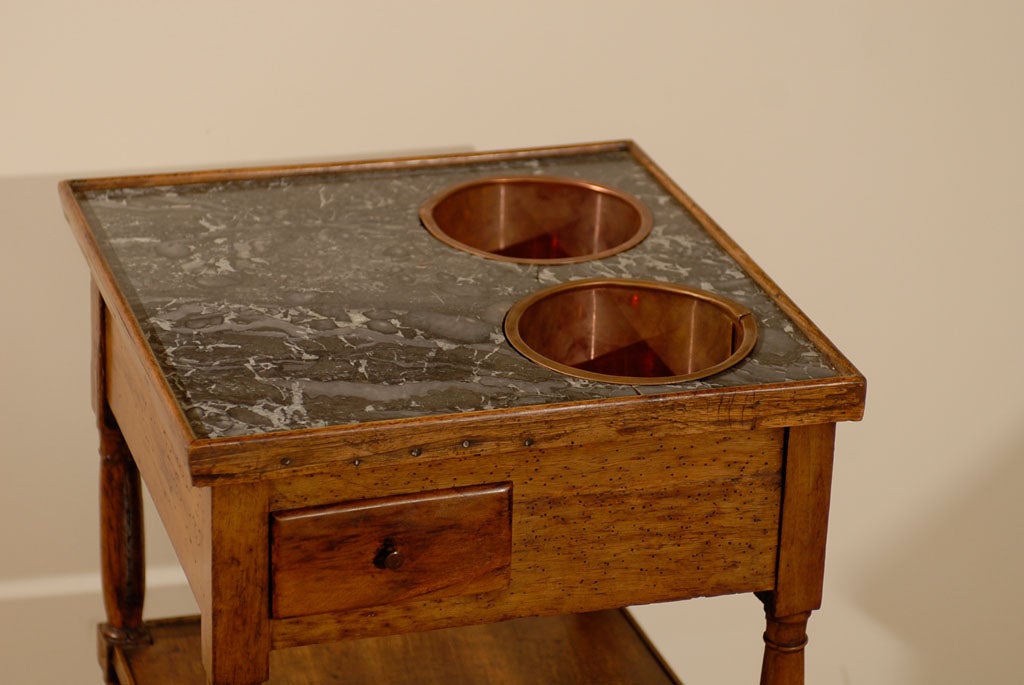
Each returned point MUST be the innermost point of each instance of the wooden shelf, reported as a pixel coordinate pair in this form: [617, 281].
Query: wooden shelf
[598, 647]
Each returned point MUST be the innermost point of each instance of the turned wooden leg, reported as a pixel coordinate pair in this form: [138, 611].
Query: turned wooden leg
[806, 488]
[121, 540]
[784, 642]
[122, 551]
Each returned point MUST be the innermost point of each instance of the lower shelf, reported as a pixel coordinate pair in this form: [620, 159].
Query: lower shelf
[600, 647]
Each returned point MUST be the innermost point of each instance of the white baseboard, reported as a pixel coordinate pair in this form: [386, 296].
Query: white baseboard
[64, 585]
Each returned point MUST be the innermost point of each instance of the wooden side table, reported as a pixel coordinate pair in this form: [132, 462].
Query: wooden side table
[346, 453]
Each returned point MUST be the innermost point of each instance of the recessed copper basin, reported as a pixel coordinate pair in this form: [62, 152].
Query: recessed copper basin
[536, 219]
[632, 332]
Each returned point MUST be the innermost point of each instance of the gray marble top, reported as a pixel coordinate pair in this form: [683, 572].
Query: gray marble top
[306, 301]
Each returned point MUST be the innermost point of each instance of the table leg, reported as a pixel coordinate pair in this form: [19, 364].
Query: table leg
[122, 544]
[121, 541]
[806, 490]
[235, 613]
[784, 642]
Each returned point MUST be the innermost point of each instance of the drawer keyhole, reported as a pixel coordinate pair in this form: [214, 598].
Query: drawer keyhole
[388, 557]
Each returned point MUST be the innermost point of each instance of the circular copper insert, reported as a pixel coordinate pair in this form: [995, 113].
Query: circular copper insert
[536, 219]
[632, 332]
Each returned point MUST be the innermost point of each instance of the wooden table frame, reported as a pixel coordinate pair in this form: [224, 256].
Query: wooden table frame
[216, 497]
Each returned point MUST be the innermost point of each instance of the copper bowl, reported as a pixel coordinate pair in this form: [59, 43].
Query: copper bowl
[631, 332]
[536, 219]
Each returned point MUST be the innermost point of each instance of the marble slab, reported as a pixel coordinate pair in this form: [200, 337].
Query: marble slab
[305, 301]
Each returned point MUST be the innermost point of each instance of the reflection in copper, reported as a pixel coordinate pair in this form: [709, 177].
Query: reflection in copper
[536, 219]
[632, 332]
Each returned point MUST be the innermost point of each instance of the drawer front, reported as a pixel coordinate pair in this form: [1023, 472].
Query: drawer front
[387, 551]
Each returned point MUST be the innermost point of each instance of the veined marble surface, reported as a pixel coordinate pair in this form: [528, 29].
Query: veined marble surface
[298, 302]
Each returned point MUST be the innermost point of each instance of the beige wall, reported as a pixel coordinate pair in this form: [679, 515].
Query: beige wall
[867, 154]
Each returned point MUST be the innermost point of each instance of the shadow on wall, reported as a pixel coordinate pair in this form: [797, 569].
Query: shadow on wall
[955, 590]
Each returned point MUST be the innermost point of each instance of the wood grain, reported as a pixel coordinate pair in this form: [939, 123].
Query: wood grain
[355, 166]
[784, 643]
[158, 446]
[593, 526]
[331, 451]
[98, 358]
[804, 525]
[801, 566]
[450, 542]
[122, 539]
[782, 405]
[602, 647]
[235, 615]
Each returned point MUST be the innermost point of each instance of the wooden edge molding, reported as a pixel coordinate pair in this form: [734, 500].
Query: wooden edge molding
[820, 340]
[258, 172]
[511, 431]
[116, 308]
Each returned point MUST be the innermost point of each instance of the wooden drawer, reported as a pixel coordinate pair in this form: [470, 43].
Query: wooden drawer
[387, 551]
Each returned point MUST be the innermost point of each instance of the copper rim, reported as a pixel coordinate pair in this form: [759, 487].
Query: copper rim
[536, 219]
[630, 331]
